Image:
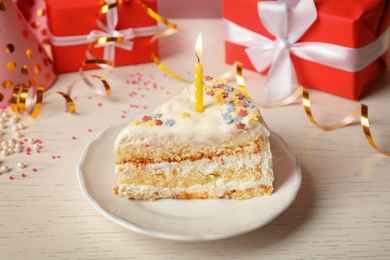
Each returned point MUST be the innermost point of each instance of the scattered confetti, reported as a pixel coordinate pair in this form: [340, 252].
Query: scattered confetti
[226, 116]
[134, 123]
[169, 122]
[253, 116]
[146, 118]
[240, 125]
[243, 113]
[158, 122]
[150, 123]
[237, 119]
[228, 88]
[243, 104]
[185, 115]
[240, 96]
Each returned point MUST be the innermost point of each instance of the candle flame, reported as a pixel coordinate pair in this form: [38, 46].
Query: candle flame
[198, 47]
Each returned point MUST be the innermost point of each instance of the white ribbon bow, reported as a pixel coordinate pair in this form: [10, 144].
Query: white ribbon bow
[110, 31]
[288, 23]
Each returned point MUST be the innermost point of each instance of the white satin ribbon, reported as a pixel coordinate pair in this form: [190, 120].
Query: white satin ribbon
[107, 31]
[288, 23]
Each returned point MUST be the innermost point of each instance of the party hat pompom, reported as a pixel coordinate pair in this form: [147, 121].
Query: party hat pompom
[23, 59]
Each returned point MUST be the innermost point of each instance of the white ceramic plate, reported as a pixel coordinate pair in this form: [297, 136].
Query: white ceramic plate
[186, 220]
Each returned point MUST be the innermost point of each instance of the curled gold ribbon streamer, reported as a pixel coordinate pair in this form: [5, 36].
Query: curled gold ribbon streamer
[106, 90]
[29, 99]
[344, 122]
[102, 63]
[366, 128]
[361, 110]
[172, 29]
[237, 69]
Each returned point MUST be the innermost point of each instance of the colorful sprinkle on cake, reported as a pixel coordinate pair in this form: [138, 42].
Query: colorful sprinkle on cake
[236, 107]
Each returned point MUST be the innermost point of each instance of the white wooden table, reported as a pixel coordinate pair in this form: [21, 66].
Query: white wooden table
[342, 209]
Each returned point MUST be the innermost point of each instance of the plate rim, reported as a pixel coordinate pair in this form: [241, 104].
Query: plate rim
[173, 236]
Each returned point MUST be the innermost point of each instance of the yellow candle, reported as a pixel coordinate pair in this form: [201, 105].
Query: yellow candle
[199, 76]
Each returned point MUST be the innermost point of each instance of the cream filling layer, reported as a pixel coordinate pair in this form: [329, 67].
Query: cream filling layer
[205, 165]
[219, 189]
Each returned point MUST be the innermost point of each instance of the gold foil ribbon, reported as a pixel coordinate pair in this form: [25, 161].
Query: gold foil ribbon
[29, 99]
[172, 29]
[107, 6]
[106, 90]
[366, 128]
[344, 122]
[361, 110]
[236, 69]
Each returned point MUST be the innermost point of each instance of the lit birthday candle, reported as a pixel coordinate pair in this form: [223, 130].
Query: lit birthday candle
[199, 76]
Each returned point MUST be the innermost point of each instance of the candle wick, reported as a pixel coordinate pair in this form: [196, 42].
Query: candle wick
[196, 54]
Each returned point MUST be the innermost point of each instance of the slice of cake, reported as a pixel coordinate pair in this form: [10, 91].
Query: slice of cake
[176, 152]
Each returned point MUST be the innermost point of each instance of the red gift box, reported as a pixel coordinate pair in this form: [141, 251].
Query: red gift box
[347, 23]
[77, 19]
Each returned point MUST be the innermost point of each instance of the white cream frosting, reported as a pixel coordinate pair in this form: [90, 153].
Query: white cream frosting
[209, 125]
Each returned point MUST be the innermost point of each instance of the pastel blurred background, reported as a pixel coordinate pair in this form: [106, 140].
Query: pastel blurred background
[190, 8]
